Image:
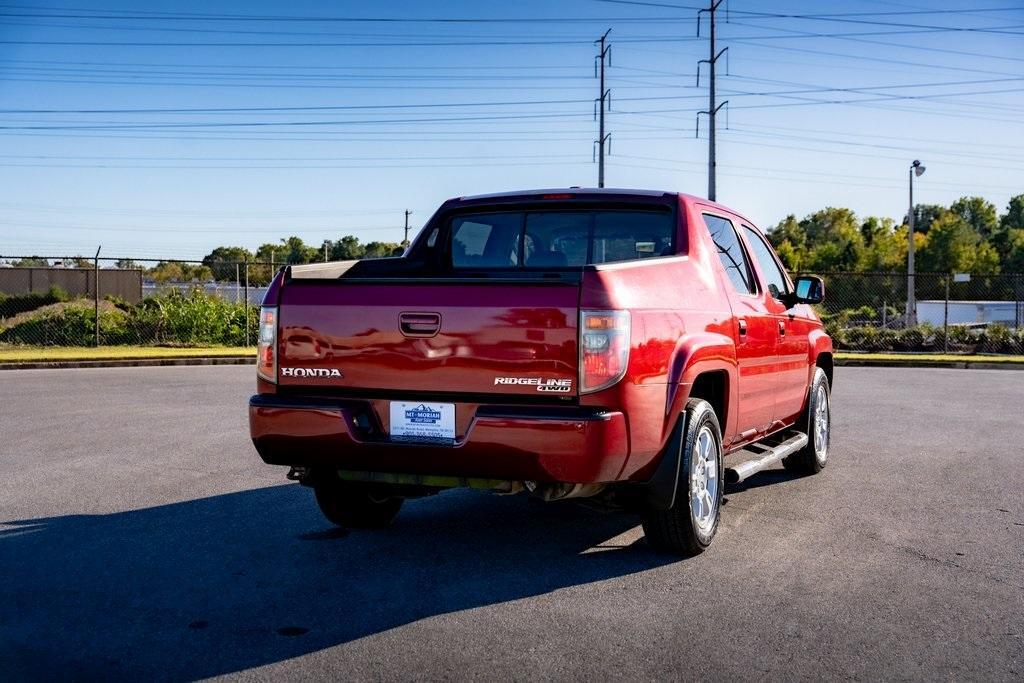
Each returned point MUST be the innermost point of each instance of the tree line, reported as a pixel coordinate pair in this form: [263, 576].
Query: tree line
[220, 263]
[970, 235]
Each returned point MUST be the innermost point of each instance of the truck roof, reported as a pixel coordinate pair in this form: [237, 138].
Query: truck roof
[568, 190]
[609, 192]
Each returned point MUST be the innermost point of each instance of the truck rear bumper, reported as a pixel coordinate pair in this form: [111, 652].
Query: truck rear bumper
[497, 442]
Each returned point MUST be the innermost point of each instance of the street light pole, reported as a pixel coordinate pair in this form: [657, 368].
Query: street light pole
[916, 169]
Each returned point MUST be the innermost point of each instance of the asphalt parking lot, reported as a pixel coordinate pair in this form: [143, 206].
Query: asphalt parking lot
[141, 537]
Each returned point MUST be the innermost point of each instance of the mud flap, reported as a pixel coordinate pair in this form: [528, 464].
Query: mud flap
[660, 490]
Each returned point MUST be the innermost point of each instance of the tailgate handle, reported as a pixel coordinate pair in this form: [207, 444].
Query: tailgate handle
[419, 324]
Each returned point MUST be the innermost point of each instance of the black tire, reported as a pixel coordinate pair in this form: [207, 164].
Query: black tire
[353, 505]
[814, 456]
[678, 530]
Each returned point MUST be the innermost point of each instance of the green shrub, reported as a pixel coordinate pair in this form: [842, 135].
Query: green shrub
[20, 303]
[958, 338]
[911, 339]
[71, 326]
[996, 338]
[194, 319]
[865, 339]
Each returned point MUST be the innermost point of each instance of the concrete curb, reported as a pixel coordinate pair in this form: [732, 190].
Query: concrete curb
[251, 360]
[911, 363]
[129, 363]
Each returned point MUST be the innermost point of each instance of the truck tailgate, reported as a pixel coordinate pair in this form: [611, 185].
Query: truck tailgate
[477, 337]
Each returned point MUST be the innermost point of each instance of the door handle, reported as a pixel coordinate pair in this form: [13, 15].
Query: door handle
[743, 327]
[782, 329]
[419, 324]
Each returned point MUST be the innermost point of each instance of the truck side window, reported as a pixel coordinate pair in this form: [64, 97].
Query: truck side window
[773, 275]
[731, 253]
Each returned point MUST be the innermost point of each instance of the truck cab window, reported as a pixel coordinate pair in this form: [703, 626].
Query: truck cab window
[486, 241]
[560, 239]
[775, 279]
[730, 253]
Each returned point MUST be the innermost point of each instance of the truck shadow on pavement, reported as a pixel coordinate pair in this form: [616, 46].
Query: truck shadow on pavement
[222, 584]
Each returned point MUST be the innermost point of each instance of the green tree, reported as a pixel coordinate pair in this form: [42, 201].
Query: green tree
[790, 241]
[221, 261]
[952, 246]
[381, 249]
[986, 260]
[297, 251]
[1014, 216]
[79, 262]
[885, 246]
[347, 249]
[925, 215]
[1007, 238]
[1013, 259]
[126, 264]
[835, 238]
[175, 271]
[979, 214]
[31, 262]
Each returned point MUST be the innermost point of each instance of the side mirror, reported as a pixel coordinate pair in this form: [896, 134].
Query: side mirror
[810, 289]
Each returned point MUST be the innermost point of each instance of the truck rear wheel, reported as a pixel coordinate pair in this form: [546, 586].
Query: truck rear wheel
[689, 526]
[353, 505]
[817, 419]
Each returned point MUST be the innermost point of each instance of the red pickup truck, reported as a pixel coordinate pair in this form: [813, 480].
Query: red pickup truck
[614, 344]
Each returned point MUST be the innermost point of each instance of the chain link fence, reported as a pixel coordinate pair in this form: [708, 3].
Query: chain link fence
[59, 301]
[107, 301]
[960, 313]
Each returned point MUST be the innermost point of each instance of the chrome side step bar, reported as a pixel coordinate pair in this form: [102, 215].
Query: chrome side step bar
[769, 456]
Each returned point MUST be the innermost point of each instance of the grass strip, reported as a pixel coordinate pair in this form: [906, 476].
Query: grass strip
[29, 354]
[911, 358]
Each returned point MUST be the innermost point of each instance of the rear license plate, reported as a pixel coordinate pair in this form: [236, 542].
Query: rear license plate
[415, 420]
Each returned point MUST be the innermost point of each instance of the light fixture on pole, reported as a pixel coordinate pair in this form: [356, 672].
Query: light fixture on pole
[916, 169]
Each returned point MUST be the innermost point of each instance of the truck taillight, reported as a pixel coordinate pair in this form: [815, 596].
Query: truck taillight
[266, 354]
[604, 348]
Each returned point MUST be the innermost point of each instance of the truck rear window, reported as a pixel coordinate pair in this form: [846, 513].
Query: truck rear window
[559, 239]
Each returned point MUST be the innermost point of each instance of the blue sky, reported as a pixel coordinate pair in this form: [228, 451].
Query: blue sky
[325, 128]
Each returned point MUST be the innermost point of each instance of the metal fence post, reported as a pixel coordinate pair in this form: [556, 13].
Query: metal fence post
[945, 320]
[238, 283]
[246, 302]
[96, 298]
[1017, 313]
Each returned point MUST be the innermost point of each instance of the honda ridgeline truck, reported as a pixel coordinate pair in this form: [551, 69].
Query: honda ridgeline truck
[614, 344]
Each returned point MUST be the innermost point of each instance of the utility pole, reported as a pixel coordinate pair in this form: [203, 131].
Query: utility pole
[712, 109]
[326, 245]
[604, 57]
[916, 169]
[405, 242]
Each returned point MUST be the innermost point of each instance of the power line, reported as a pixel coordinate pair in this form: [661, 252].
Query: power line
[871, 58]
[289, 229]
[243, 18]
[503, 117]
[847, 17]
[861, 38]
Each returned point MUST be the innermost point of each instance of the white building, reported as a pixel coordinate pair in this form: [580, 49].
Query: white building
[971, 312]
